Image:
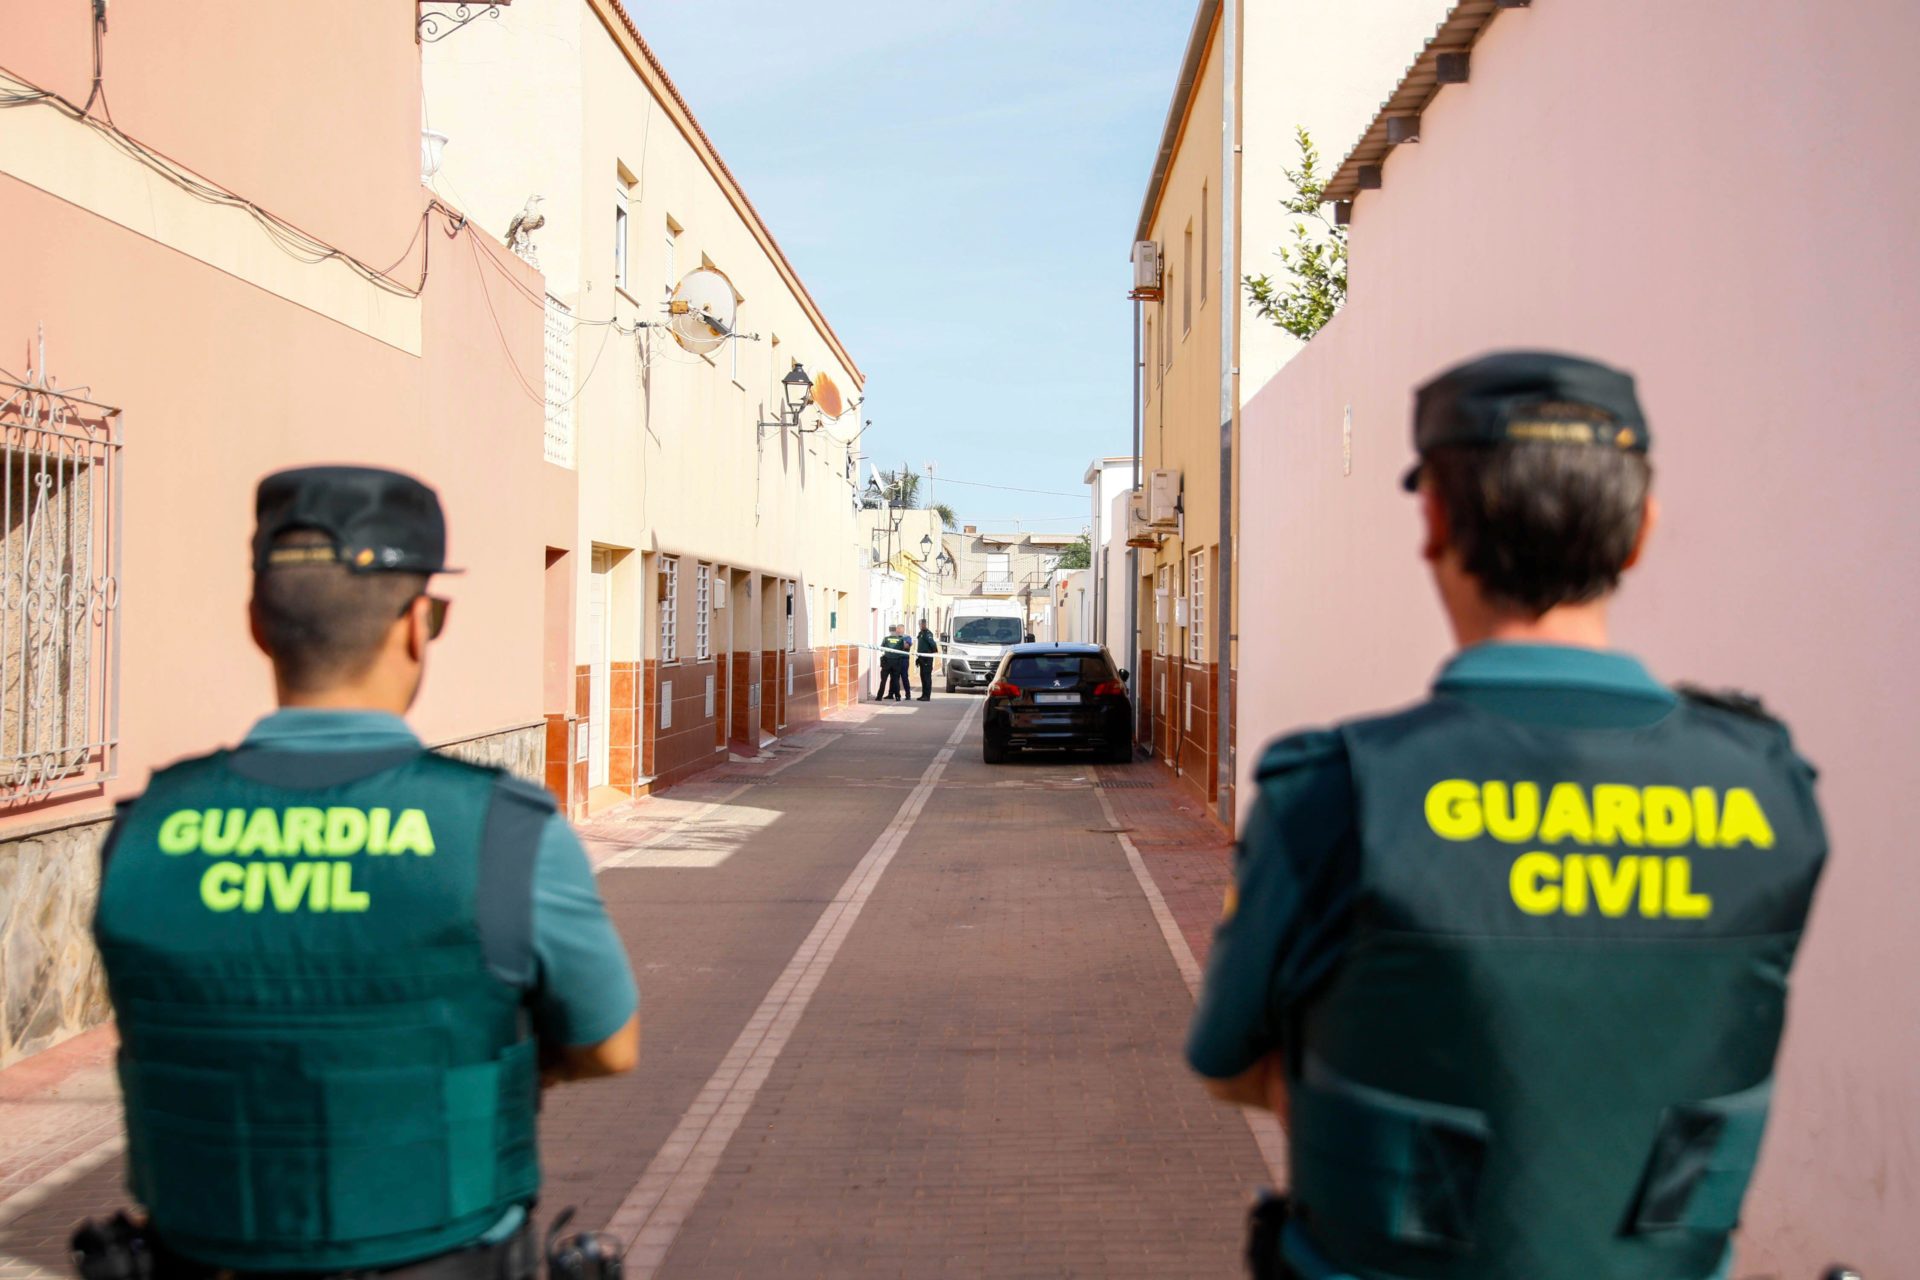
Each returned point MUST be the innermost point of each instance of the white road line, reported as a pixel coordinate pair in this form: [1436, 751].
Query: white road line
[660, 1203]
[1267, 1133]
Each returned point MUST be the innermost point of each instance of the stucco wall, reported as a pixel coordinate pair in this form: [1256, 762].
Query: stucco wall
[1756, 270]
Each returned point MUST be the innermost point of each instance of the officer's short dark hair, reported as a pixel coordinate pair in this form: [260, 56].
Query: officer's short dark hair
[1541, 524]
[321, 623]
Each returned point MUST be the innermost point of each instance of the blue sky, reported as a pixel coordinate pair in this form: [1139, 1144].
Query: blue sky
[958, 185]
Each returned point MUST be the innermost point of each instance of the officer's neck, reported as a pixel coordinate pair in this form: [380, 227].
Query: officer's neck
[1475, 621]
[379, 694]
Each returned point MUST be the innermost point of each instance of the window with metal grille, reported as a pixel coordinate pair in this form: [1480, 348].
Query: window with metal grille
[669, 609]
[791, 644]
[702, 611]
[59, 590]
[1197, 606]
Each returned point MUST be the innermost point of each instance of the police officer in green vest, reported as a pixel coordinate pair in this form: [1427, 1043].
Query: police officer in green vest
[343, 966]
[1511, 964]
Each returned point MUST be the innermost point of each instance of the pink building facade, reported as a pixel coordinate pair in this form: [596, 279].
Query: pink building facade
[189, 267]
[1719, 197]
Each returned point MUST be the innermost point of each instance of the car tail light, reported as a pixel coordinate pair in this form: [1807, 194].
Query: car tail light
[1003, 689]
[1109, 689]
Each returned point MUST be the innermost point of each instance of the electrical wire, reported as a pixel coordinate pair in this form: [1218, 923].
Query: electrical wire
[976, 484]
[285, 236]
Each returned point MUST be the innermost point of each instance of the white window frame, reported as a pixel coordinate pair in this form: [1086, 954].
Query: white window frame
[1163, 607]
[793, 606]
[702, 611]
[669, 609]
[733, 344]
[1205, 237]
[620, 220]
[1186, 283]
[1197, 606]
[673, 254]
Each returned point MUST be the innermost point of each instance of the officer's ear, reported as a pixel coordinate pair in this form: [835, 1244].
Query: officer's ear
[419, 625]
[1433, 517]
[1649, 517]
[254, 628]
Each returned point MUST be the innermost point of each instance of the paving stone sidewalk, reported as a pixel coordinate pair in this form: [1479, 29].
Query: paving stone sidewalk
[987, 1080]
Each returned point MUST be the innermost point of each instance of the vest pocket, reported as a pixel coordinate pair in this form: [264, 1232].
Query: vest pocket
[1405, 1168]
[187, 1168]
[1703, 1157]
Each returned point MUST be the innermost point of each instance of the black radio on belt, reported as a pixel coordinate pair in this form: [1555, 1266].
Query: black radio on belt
[116, 1249]
[590, 1255]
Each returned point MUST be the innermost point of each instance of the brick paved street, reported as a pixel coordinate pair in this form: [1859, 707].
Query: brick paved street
[904, 1014]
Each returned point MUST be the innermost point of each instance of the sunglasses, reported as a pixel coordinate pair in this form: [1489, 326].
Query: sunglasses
[436, 615]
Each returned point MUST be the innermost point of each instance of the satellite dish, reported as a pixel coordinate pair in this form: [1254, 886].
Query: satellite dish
[701, 311]
[826, 396]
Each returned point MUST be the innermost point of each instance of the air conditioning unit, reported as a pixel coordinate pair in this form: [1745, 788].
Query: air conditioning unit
[1163, 499]
[1146, 270]
[1139, 532]
[1179, 611]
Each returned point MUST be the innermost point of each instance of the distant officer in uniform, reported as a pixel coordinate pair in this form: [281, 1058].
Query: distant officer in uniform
[342, 965]
[893, 664]
[1512, 963]
[925, 647]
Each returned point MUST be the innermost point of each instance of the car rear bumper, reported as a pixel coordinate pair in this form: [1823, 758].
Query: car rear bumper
[1106, 722]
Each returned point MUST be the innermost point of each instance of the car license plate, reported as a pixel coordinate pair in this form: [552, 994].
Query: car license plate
[1055, 699]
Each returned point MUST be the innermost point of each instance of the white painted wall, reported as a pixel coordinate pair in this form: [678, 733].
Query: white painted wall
[1327, 65]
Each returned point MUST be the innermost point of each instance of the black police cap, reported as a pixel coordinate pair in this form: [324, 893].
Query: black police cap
[1528, 395]
[377, 521]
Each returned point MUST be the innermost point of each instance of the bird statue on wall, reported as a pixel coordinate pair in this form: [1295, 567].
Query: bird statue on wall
[525, 223]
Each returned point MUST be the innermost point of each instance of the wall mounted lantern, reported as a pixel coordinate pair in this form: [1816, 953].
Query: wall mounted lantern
[798, 388]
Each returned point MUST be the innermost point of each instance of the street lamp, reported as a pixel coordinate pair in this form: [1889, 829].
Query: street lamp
[798, 388]
[926, 545]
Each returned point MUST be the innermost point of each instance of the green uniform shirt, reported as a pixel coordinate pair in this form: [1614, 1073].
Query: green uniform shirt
[584, 990]
[1296, 867]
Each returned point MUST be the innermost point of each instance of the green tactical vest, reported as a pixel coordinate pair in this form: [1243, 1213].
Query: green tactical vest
[1548, 1051]
[318, 963]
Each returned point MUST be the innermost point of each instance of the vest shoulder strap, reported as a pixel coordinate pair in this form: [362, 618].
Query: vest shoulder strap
[1303, 750]
[517, 817]
[1735, 701]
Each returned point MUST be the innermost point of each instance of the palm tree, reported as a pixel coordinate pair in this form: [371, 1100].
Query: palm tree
[901, 488]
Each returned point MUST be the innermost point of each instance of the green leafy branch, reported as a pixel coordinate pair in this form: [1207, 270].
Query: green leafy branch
[1314, 264]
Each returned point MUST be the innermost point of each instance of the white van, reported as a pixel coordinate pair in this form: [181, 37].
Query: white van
[980, 632]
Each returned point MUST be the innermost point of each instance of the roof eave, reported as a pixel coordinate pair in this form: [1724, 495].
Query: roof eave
[1197, 41]
[1456, 35]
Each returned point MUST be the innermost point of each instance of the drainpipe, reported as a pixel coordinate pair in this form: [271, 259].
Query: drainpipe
[1133, 553]
[1229, 351]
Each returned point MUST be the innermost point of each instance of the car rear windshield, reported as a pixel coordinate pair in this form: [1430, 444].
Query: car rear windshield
[1040, 670]
[987, 631]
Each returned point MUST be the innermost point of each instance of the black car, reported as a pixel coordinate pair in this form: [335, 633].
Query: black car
[1060, 696]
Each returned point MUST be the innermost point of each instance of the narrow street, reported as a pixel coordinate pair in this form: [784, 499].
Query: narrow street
[903, 1014]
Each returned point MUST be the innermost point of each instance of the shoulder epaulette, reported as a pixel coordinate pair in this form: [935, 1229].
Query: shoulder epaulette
[1300, 751]
[526, 792]
[1736, 701]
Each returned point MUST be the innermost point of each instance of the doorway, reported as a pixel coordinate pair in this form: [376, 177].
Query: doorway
[599, 667]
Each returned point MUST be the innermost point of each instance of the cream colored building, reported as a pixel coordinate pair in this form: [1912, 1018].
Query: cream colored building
[1007, 566]
[1249, 77]
[912, 575]
[718, 596]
